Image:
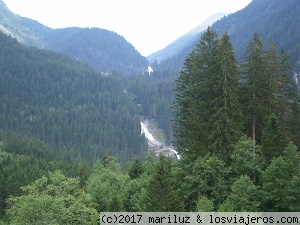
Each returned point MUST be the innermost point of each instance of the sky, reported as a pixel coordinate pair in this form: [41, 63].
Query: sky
[148, 25]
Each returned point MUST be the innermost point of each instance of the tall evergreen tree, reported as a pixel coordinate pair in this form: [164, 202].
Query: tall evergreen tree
[192, 98]
[276, 80]
[225, 121]
[254, 89]
[208, 115]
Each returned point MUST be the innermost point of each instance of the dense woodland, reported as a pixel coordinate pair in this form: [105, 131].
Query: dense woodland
[235, 127]
[70, 138]
[58, 100]
[103, 50]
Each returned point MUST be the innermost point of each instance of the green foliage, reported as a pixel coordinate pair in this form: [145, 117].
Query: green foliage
[192, 97]
[105, 186]
[225, 113]
[208, 119]
[84, 115]
[54, 199]
[23, 160]
[161, 195]
[101, 49]
[154, 96]
[204, 205]
[55, 98]
[210, 177]
[246, 159]
[243, 197]
[267, 92]
[135, 169]
[207, 110]
[254, 89]
[273, 139]
[278, 181]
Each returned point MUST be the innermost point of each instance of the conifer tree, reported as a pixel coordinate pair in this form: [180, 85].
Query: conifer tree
[254, 89]
[276, 80]
[161, 195]
[192, 98]
[208, 115]
[274, 141]
[225, 120]
[243, 197]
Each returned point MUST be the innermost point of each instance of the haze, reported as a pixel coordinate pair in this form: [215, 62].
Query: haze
[148, 25]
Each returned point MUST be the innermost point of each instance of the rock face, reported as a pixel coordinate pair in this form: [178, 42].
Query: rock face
[154, 143]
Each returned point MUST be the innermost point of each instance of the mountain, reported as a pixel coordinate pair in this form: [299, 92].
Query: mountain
[182, 42]
[55, 98]
[103, 50]
[274, 20]
[25, 30]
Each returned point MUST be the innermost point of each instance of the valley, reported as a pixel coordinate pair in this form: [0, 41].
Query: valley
[209, 123]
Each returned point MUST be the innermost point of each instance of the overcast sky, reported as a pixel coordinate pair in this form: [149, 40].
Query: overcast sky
[148, 25]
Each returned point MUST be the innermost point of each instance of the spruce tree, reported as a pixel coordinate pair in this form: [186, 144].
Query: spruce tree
[254, 89]
[225, 121]
[161, 194]
[192, 98]
[208, 115]
[274, 141]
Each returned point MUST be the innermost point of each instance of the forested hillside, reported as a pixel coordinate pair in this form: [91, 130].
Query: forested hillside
[102, 50]
[236, 128]
[70, 138]
[272, 19]
[25, 30]
[63, 102]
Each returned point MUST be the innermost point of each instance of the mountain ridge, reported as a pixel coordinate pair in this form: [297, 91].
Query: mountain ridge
[103, 50]
[180, 43]
[272, 19]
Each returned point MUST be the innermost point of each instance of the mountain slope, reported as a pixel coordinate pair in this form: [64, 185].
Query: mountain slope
[182, 42]
[103, 50]
[274, 20]
[25, 30]
[55, 98]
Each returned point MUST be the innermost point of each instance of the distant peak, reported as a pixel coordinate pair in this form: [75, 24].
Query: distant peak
[208, 22]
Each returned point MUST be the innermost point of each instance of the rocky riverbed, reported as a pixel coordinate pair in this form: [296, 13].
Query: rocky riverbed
[156, 144]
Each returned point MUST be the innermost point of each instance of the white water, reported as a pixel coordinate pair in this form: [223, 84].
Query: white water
[156, 145]
[144, 130]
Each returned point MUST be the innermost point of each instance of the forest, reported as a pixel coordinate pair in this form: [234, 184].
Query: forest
[235, 127]
[64, 103]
